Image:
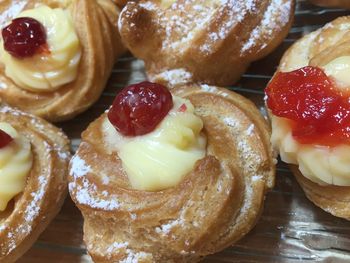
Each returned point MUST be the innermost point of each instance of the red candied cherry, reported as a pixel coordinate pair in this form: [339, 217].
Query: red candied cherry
[5, 139]
[139, 108]
[24, 37]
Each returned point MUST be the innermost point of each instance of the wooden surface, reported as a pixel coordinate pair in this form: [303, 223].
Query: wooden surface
[291, 228]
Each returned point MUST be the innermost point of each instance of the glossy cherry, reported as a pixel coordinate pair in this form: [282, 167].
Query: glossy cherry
[318, 110]
[5, 139]
[24, 37]
[139, 108]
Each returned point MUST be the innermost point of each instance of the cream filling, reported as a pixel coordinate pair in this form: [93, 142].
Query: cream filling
[160, 159]
[47, 72]
[339, 69]
[321, 164]
[15, 163]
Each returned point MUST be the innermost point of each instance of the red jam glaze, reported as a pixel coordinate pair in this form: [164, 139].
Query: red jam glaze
[318, 111]
[139, 108]
[5, 139]
[24, 37]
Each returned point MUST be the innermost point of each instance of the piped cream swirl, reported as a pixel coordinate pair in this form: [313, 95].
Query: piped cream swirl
[161, 159]
[47, 72]
[321, 164]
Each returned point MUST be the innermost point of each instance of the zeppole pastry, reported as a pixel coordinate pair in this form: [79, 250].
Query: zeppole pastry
[167, 177]
[332, 3]
[308, 99]
[210, 42]
[56, 56]
[34, 158]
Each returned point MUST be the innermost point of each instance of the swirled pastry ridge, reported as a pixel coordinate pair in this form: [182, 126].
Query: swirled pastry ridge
[210, 42]
[216, 204]
[46, 186]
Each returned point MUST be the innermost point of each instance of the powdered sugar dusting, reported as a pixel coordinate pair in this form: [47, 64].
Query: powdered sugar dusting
[176, 76]
[182, 21]
[166, 228]
[86, 193]
[244, 133]
[257, 178]
[31, 212]
[6, 109]
[231, 122]
[116, 246]
[134, 257]
[248, 151]
[250, 129]
[33, 209]
[208, 88]
[131, 255]
[275, 17]
[214, 90]
[78, 167]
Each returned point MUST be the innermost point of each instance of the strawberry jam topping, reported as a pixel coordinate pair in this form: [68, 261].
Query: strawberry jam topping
[24, 37]
[139, 108]
[319, 112]
[5, 139]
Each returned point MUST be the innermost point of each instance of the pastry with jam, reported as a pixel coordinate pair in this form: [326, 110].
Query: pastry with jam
[309, 105]
[171, 176]
[56, 56]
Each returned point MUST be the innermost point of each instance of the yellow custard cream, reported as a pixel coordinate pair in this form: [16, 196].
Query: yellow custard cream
[160, 159]
[47, 72]
[339, 69]
[321, 164]
[15, 163]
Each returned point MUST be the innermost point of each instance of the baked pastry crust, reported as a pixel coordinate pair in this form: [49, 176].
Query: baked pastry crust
[332, 3]
[120, 3]
[317, 49]
[215, 205]
[331, 198]
[46, 186]
[95, 24]
[208, 42]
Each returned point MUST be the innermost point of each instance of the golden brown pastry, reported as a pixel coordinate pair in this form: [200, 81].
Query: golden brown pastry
[120, 3]
[332, 3]
[212, 206]
[67, 74]
[309, 114]
[210, 42]
[33, 179]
